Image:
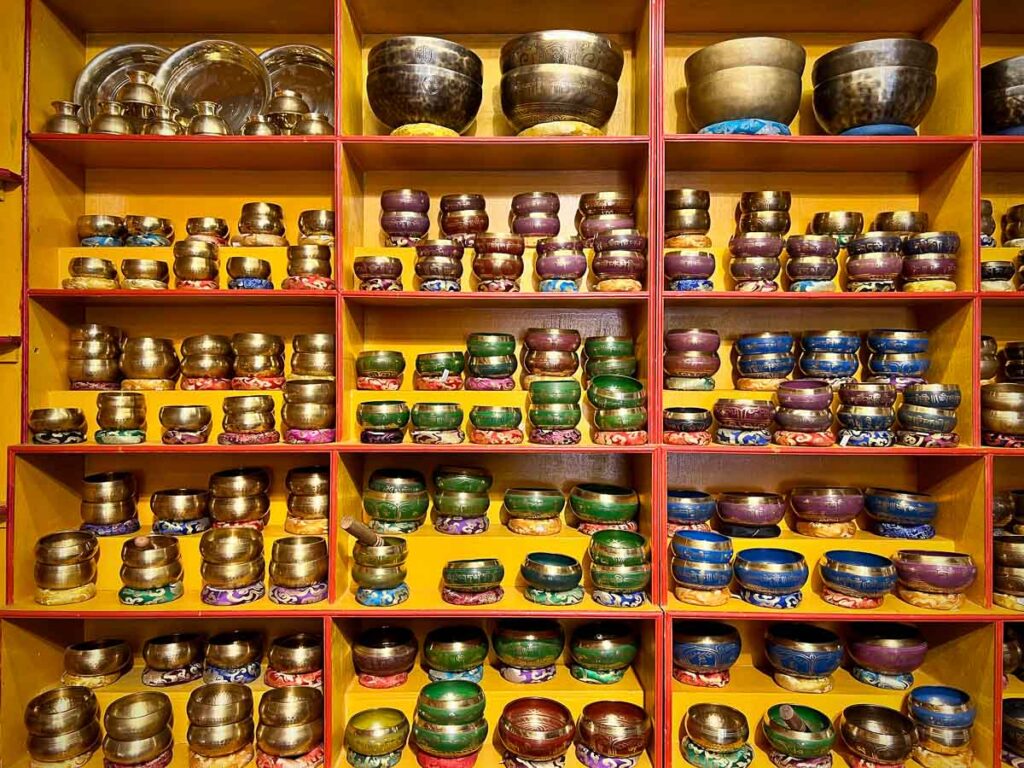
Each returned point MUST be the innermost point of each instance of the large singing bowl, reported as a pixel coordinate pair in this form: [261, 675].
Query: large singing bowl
[874, 96]
[420, 93]
[886, 52]
[544, 93]
[745, 52]
[563, 46]
[419, 49]
[1002, 108]
[755, 91]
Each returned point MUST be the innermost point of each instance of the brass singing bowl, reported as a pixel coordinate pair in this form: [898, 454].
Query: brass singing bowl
[298, 267]
[60, 710]
[220, 740]
[874, 95]
[248, 266]
[137, 750]
[149, 365]
[56, 419]
[196, 249]
[240, 482]
[146, 225]
[254, 365]
[179, 504]
[716, 727]
[257, 344]
[215, 704]
[232, 575]
[316, 221]
[392, 551]
[94, 370]
[147, 344]
[145, 269]
[246, 404]
[108, 486]
[1005, 396]
[687, 221]
[308, 416]
[99, 225]
[121, 418]
[262, 208]
[64, 746]
[297, 549]
[377, 731]
[310, 391]
[298, 574]
[745, 52]
[309, 507]
[190, 417]
[206, 344]
[837, 223]
[95, 332]
[414, 49]
[313, 363]
[296, 654]
[138, 716]
[93, 658]
[63, 547]
[308, 481]
[564, 46]
[289, 740]
[378, 577]
[314, 342]
[543, 93]
[294, 705]
[206, 225]
[173, 651]
[1004, 422]
[878, 733]
[237, 509]
[261, 225]
[93, 349]
[400, 94]
[237, 648]
[106, 512]
[206, 366]
[152, 576]
[764, 91]
[65, 576]
[249, 423]
[144, 551]
[195, 268]
[89, 266]
[231, 545]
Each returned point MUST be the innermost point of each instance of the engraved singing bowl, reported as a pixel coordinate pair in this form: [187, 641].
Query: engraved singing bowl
[60, 710]
[544, 93]
[878, 733]
[137, 716]
[93, 349]
[92, 658]
[874, 95]
[174, 651]
[179, 503]
[219, 704]
[94, 370]
[231, 545]
[220, 740]
[765, 92]
[135, 751]
[245, 481]
[420, 49]
[297, 654]
[402, 94]
[292, 705]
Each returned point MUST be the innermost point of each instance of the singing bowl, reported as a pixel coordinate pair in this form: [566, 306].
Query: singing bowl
[451, 702]
[106, 512]
[133, 751]
[603, 645]
[231, 545]
[308, 481]
[837, 223]
[874, 95]
[392, 551]
[826, 505]
[256, 365]
[533, 503]
[195, 268]
[563, 46]
[875, 53]
[67, 547]
[298, 575]
[770, 571]
[60, 711]
[315, 221]
[928, 571]
[745, 51]
[215, 704]
[933, 395]
[313, 363]
[859, 574]
[296, 654]
[232, 575]
[377, 731]
[528, 643]
[94, 658]
[308, 415]
[93, 349]
[600, 503]
[1003, 422]
[1005, 396]
[384, 651]
[864, 417]
[688, 506]
[691, 364]
[420, 49]
[289, 740]
[187, 417]
[206, 366]
[138, 716]
[764, 343]
[874, 242]
[1002, 108]
[299, 549]
[700, 575]
[87, 266]
[1009, 550]
[245, 481]
[476, 575]
[151, 550]
[716, 727]
[887, 648]
[811, 246]
[175, 651]
[943, 741]
[765, 221]
[751, 508]
[378, 576]
[233, 649]
[220, 740]
[687, 221]
[877, 733]
[704, 340]
[614, 729]
[864, 394]
[620, 578]
[121, 418]
[108, 486]
[1013, 724]
[612, 547]
[400, 94]
[448, 740]
[238, 509]
[687, 419]
[455, 648]
[149, 365]
[56, 419]
[902, 507]
[689, 264]
[309, 391]
[542, 93]
[817, 742]
[551, 572]
[941, 706]
[291, 705]
[99, 225]
[535, 728]
[765, 91]
[705, 646]
[803, 650]
[64, 746]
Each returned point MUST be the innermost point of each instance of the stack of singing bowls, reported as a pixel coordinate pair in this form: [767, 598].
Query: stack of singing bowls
[560, 82]
[944, 717]
[875, 87]
[439, 264]
[65, 568]
[491, 360]
[151, 570]
[449, 721]
[316, 226]
[534, 215]
[620, 260]
[989, 363]
[298, 570]
[462, 217]
[206, 362]
[138, 729]
[248, 420]
[309, 411]
[1002, 414]
[313, 356]
[599, 212]
[765, 211]
[291, 722]
[461, 499]
[609, 354]
[551, 353]
[498, 261]
[309, 263]
[150, 362]
[687, 218]
[239, 497]
[691, 358]
[232, 566]
[220, 722]
[1002, 96]
[120, 415]
[309, 500]
[93, 353]
[108, 506]
[732, 83]
[396, 500]
[425, 86]
[1008, 578]
[1013, 361]
[63, 726]
[196, 264]
[259, 361]
[261, 224]
[380, 569]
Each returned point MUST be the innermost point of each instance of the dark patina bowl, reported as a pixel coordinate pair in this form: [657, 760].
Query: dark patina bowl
[541, 93]
[552, 339]
[929, 265]
[754, 267]
[405, 199]
[384, 651]
[704, 340]
[942, 572]
[926, 419]
[803, 420]
[826, 505]
[705, 646]
[438, 268]
[875, 266]
[692, 364]
[402, 94]
[901, 221]
[858, 574]
[560, 264]
[874, 95]
[676, 199]
[370, 267]
[837, 223]
[812, 268]
[932, 242]
[420, 49]
[865, 417]
[535, 728]
[499, 242]
[689, 264]
[604, 645]
[621, 240]
[687, 419]
[528, 643]
[611, 265]
[751, 508]
[886, 648]
[803, 650]
[614, 729]
[997, 270]
[807, 394]
[744, 414]
[770, 571]
[462, 201]
[878, 734]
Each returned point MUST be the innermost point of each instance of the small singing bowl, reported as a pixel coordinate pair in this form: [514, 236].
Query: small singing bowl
[314, 342]
[826, 505]
[382, 414]
[765, 200]
[60, 710]
[768, 366]
[941, 706]
[616, 392]
[705, 646]
[206, 366]
[876, 733]
[258, 365]
[687, 221]
[95, 332]
[316, 221]
[291, 705]
[770, 571]
[601, 503]
[605, 203]
[220, 740]
[168, 652]
[611, 366]
[490, 344]
[803, 650]
[93, 658]
[612, 547]
[89, 266]
[195, 268]
[927, 419]
[221, 703]
[1009, 550]
[812, 246]
[206, 344]
[248, 266]
[887, 647]
[297, 549]
[932, 242]
[296, 267]
[614, 729]
[804, 394]
[308, 481]
[551, 572]
[751, 508]
[691, 364]
[246, 481]
[754, 267]
[874, 266]
[837, 223]
[106, 512]
[689, 506]
[846, 342]
[152, 550]
[864, 394]
[289, 740]
[298, 575]
[620, 578]
[744, 413]
[67, 547]
[689, 264]
[461, 503]
[121, 418]
[495, 416]
[756, 245]
[231, 545]
[874, 242]
[308, 415]
[528, 643]
[186, 417]
[108, 486]
[828, 364]
[238, 508]
[438, 268]
[1002, 422]
[99, 225]
[248, 423]
[1003, 397]
[706, 340]
[94, 370]
[619, 418]
[272, 210]
[859, 574]
[900, 221]
[687, 419]
[244, 404]
[232, 575]
[451, 702]
[156, 365]
[136, 751]
[562, 364]
[865, 417]
[701, 576]
[1013, 724]
[455, 648]
[64, 746]
[770, 343]
[497, 266]
[392, 551]
[716, 727]
[377, 731]
[807, 744]
[902, 507]
[687, 198]
[534, 503]
[56, 419]
[943, 741]
[928, 571]
[812, 268]
[145, 269]
[378, 577]
[233, 649]
[477, 575]
[568, 415]
[398, 506]
[257, 344]
[206, 225]
[492, 366]
[137, 716]
[603, 645]
[1009, 580]
[764, 221]
[369, 267]
[296, 654]
[535, 728]
[313, 363]
[148, 225]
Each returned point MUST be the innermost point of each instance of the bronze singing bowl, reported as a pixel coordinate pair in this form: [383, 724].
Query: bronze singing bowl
[94, 370]
[1002, 108]
[190, 417]
[64, 576]
[195, 268]
[536, 728]
[308, 481]
[1003, 422]
[179, 503]
[248, 266]
[231, 545]
[64, 547]
[232, 575]
[93, 349]
[220, 740]
[215, 366]
[543, 93]
[60, 710]
[55, 419]
[289, 740]
[253, 365]
[291, 706]
[173, 651]
[420, 93]
[233, 649]
[420, 49]
[297, 654]
[249, 423]
[313, 363]
[297, 549]
[219, 704]
[298, 575]
[161, 364]
[308, 507]
[207, 225]
[145, 269]
[146, 225]
[144, 551]
[237, 509]
[99, 225]
[310, 391]
[151, 577]
[246, 404]
[92, 658]
[64, 746]
[892, 94]
[240, 482]
[297, 267]
[108, 486]
[136, 750]
[313, 342]
[138, 715]
[762, 91]
[88, 266]
[121, 418]
[257, 344]
[564, 46]
[316, 221]
[885, 52]
[745, 52]
[261, 225]
[106, 512]
[196, 249]
[878, 733]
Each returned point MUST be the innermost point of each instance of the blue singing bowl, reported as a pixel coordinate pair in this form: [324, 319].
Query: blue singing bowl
[771, 571]
[889, 341]
[764, 343]
[843, 342]
[803, 650]
[765, 366]
[685, 506]
[859, 574]
[865, 417]
[702, 546]
[701, 576]
[899, 364]
[828, 365]
[901, 507]
[941, 706]
[705, 646]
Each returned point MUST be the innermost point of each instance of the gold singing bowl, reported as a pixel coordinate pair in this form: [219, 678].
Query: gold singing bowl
[378, 577]
[289, 740]
[310, 391]
[106, 512]
[313, 363]
[220, 740]
[298, 549]
[206, 344]
[377, 731]
[231, 545]
[249, 404]
[716, 727]
[145, 551]
[249, 423]
[240, 482]
[195, 268]
[108, 486]
[94, 370]
[253, 365]
[257, 344]
[261, 225]
[94, 331]
[248, 266]
[56, 419]
[137, 715]
[93, 349]
[238, 509]
[189, 417]
[112, 400]
[392, 551]
[91, 658]
[308, 415]
[196, 249]
[135, 751]
[121, 418]
[297, 267]
[313, 342]
[261, 208]
[65, 746]
[1003, 422]
[173, 651]
[145, 269]
[765, 91]
[291, 706]
[213, 366]
[297, 654]
[219, 704]
[232, 575]
[233, 649]
[88, 266]
[151, 576]
[298, 575]
[308, 481]
[65, 547]
[149, 364]
[309, 507]
[1003, 397]
[179, 504]
[60, 710]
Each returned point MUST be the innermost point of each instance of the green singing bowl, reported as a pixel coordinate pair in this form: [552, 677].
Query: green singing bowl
[534, 503]
[477, 575]
[816, 742]
[551, 391]
[377, 732]
[491, 344]
[437, 415]
[528, 643]
[600, 503]
[397, 507]
[612, 547]
[451, 702]
[455, 648]
[555, 415]
[627, 419]
[461, 503]
[551, 572]
[604, 645]
[448, 740]
[608, 346]
[616, 392]
[383, 414]
[469, 479]
[496, 416]
[620, 578]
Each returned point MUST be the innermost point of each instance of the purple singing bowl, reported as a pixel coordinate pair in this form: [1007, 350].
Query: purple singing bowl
[566, 265]
[692, 340]
[942, 572]
[756, 244]
[930, 265]
[692, 364]
[891, 649]
[744, 414]
[405, 200]
[689, 264]
[826, 505]
[807, 394]
[751, 508]
[874, 266]
[608, 265]
[537, 225]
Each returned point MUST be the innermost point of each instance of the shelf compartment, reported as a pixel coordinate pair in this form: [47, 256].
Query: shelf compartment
[45, 497]
[639, 686]
[957, 483]
[946, 25]
[944, 188]
[429, 550]
[1004, 187]
[484, 30]
[752, 690]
